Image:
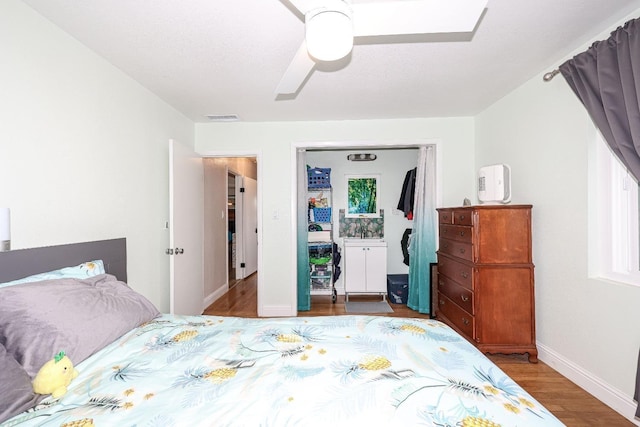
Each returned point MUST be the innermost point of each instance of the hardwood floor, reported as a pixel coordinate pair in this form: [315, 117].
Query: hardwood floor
[571, 404]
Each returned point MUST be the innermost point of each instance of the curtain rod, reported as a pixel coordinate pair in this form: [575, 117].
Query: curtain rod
[550, 75]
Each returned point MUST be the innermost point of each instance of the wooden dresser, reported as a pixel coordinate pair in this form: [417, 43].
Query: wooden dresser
[485, 277]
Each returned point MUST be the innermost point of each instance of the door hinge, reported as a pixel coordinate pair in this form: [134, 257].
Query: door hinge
[242, 189]
[243, 265]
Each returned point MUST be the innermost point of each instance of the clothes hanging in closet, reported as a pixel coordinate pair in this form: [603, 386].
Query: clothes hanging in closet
[408, 193]
[405, 242]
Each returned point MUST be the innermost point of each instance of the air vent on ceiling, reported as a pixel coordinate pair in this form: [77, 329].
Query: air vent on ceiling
[223, 117]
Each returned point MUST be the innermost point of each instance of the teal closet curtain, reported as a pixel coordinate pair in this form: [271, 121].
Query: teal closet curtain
[302, 249]
[422, 249]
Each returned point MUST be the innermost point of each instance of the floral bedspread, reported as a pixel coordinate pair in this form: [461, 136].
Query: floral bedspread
[304, 371]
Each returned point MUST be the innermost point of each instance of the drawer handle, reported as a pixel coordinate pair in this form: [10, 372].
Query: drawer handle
[464, 274]
[462, 250]
[441, 302]
[441, 282]
[464, 298]
[462, 233]
[461, 217]
[445, 246]
[465, 321]
[445, 231]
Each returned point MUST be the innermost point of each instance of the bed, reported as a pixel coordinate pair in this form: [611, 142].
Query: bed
[138, 367]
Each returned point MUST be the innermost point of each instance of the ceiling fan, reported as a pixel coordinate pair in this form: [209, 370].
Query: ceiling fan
[331, 26]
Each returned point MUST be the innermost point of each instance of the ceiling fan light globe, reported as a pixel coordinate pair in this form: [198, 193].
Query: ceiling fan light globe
[329, 35]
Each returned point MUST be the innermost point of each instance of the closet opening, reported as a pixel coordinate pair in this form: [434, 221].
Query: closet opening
[388, 226]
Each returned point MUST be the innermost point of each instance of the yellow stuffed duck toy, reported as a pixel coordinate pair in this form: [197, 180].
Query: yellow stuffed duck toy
[54, 376]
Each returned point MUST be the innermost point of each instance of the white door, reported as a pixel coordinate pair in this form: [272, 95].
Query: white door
[250, 224]
[246, 226]
[376, 269]
[186, 222]
[239, 229]
[355, 271]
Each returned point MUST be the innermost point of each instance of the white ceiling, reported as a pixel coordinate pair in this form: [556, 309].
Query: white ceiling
[227, 56]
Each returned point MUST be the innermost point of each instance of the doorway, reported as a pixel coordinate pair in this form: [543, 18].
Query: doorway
[332, 155]
[223, 249]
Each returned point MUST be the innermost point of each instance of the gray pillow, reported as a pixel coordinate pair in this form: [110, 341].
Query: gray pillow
[77, 316]
[15, 387]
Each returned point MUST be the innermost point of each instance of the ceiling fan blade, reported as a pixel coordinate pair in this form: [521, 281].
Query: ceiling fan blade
[304, 5]
[416, 17]
[297, 72]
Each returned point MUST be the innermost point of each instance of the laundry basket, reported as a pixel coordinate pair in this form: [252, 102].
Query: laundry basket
[319, 177]
[322, 214]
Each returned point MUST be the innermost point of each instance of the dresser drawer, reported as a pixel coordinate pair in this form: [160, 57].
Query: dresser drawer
[456, 293]
[457, 249]
[457, 271]
[462, 217]
[457, 316]
[460, 233]
[445, 217]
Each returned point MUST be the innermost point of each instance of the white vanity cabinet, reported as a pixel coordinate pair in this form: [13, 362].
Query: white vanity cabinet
[365, 268]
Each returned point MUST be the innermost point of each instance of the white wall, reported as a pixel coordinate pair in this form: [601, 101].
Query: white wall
[85, 148]
[275, 140]
[587, 328]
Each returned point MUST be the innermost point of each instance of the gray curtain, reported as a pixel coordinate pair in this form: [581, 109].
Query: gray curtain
[606, 78]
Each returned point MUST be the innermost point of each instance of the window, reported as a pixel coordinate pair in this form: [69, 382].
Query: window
[617, 212]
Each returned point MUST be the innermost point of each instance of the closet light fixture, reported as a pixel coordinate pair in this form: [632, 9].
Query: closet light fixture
[5, 229]
[362, 157]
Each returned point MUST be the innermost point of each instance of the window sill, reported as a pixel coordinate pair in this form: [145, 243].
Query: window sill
[618, 279]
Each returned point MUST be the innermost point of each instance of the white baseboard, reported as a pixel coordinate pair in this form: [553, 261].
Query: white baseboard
[595, 386]
[213, 296]
[276, 311]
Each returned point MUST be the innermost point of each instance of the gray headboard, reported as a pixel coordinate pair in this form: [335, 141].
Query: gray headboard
[26, 262]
